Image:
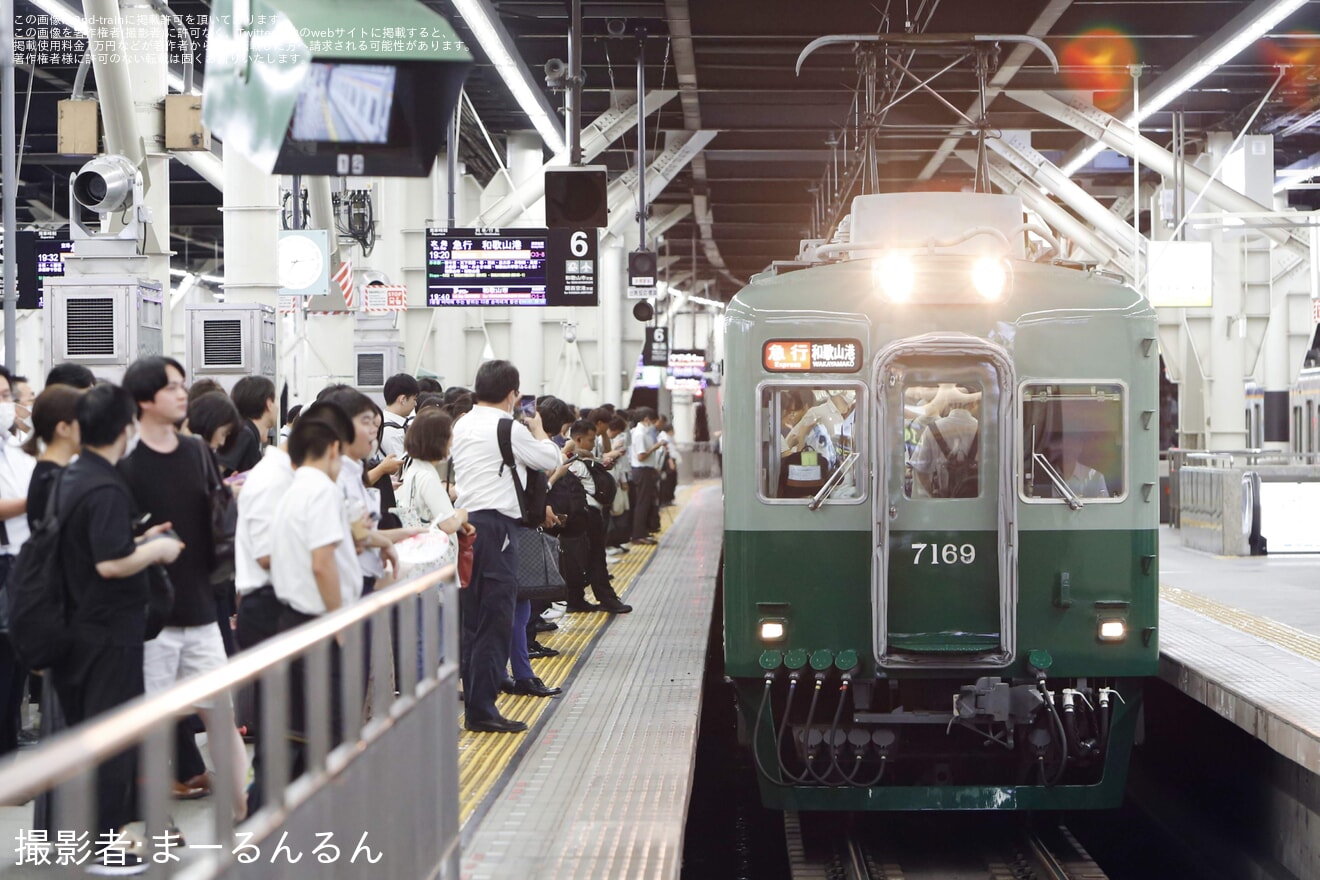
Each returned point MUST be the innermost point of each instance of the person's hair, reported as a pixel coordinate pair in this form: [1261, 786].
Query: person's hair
[495, 381]
[461, 405]
[618, 423]
[310, 438]
[203, 386]
[430, 385]
[73, 375]
[53, 406]
[642, 413]
[796, 398]
[400, 385]
[581, 428]
[251, 395]
[17, 380]
[351, 401]
[7, 376]
[428, 436]
[145, 377]
[554, 415]
[211, 412]
[293, 414]
[429, 400]
[600, 414]
[454, 392]
[331, 414]
[331, 389]
[104, 412]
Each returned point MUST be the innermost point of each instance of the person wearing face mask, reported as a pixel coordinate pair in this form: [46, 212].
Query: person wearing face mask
[106, 588]
[24, 397]
[16, 468]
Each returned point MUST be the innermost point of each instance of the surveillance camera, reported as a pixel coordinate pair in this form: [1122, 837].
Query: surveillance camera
[105, 184]
[556, 73]
[616, 27]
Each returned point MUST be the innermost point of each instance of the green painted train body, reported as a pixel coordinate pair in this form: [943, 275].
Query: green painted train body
[942, 642]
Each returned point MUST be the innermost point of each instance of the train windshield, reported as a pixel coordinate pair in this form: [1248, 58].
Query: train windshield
[1073, 442]
[807, 433]
[942, 440]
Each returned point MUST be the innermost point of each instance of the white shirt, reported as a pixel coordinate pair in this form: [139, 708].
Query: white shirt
[309, 516]
[425, 494]
[638, 442]
[265, 485]
[578, 468]
[476, 460]
[357, 498]
[392, 433]
[16, 468]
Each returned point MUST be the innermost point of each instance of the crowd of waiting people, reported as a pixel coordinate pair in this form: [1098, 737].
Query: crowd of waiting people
[155, 593]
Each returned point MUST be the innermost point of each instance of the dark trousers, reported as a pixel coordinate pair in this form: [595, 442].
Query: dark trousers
[598, 571]
[642, 483]
[13, 675]
[258, 620]
[487, 607]
[668, 483]
[95, 679]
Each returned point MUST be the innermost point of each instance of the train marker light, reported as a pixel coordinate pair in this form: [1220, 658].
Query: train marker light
[1113, 630]
[773, 630]
[989, 277]
[896, 276]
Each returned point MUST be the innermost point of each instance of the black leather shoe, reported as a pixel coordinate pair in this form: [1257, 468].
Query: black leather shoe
[581, 607]
[616, 607]
[534, 687]
[535, 649]
[498, 724]
[545, 626]
[507, 685]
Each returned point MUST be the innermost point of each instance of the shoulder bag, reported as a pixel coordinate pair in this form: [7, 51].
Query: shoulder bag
[537, 560]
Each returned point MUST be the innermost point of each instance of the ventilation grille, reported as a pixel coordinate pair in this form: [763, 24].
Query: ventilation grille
[89, 327]
[222, 343]
[371, 369]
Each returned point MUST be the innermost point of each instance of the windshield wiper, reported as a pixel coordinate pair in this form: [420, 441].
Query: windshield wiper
[1059, 482]
[833, 482]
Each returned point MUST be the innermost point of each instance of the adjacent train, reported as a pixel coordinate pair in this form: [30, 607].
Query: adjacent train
[940, 551]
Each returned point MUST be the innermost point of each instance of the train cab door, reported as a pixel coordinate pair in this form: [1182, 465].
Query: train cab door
[945, 586]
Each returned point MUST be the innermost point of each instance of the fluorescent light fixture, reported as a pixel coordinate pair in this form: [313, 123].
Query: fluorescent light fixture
[494, 41]
[72, 18]
[1166, 94]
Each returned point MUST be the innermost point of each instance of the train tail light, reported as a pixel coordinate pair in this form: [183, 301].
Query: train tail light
[773, 630]
[1113, 630]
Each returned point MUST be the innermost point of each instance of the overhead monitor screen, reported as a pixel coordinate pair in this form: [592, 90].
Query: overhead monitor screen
[345, 103]
[487, 267]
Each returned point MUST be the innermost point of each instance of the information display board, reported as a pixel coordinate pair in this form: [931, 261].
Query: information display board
[511, 267]
[40, 256]
[812, 355]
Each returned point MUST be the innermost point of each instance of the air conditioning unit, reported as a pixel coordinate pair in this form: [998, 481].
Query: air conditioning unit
[103, 323]
[227, 341]
[377, 352]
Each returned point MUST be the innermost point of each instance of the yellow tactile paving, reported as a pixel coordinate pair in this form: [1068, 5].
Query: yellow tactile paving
[483, 757]
[1272, 631]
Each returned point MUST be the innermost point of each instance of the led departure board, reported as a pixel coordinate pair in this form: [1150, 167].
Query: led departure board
[40, 256]
[511, 267]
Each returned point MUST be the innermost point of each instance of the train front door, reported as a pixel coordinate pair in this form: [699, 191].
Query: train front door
[945, 585]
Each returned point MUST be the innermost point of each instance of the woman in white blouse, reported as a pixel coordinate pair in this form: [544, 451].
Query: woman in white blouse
[423, 493]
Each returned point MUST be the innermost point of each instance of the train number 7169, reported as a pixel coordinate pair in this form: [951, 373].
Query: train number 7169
[948, 554]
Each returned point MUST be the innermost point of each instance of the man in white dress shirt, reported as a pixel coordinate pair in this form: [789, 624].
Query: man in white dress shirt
[486, 491]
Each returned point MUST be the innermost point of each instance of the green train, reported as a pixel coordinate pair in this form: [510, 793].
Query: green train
[941, 526]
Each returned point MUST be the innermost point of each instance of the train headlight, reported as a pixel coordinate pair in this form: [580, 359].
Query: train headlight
[990, 277]
[895, 275]
[1113, 630]
[773, 630]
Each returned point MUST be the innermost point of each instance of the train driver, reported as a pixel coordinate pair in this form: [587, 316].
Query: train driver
[1083, 479]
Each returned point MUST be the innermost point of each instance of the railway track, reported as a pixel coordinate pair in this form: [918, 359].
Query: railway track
[932, 847]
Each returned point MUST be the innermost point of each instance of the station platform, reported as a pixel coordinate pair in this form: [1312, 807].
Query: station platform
[1241, 635]
[599, 785]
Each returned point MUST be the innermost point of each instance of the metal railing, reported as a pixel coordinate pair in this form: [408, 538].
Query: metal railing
[379, 799]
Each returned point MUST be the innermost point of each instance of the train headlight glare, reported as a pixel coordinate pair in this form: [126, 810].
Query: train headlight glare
[772, 630]
[990, 277]
[1113, 630]
[896, 276]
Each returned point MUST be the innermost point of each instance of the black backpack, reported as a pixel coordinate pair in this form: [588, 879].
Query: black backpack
[960, 471]
[38, 598]
[604, 486]
[532, 493]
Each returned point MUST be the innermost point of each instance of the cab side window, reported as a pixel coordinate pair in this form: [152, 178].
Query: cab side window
[807, 433]
[1073, 441]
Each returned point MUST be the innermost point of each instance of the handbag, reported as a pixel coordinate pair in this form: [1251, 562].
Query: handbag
[160, 599]
[224, 519]
[465, 557]
[537, 564]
